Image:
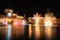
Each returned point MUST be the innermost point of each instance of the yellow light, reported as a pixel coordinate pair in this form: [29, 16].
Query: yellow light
[30, 30]
[37, 24]
[23, 22]
[48, 23]
[9, 20]
[37, 31]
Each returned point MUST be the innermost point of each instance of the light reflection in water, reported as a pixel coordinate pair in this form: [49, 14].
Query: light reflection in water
[48, 32]
[9, 31]
[49, 20]
[37, 31]
[48, 24]
[37, 26]
[18, 30]
[30, 30]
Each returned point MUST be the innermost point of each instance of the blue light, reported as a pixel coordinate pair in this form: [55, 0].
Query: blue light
[9, 32]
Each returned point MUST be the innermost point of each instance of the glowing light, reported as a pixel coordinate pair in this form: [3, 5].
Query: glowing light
[9, 32]
[9, 20]
[37, 25]
[36, 20]
[17, 22]
[9, 14]
[23, 22]
[48, 20]
[37, 31]
[5, 22]
[14, 14]
[48, 23]
[30, 30]
[48, 26]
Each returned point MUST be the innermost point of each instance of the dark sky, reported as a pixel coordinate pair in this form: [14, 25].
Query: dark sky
[30, 7]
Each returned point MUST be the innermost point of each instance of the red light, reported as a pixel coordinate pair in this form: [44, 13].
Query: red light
[19, 22]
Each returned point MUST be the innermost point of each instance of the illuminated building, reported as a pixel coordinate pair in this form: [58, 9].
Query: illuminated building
[35, 26]
[10, 17]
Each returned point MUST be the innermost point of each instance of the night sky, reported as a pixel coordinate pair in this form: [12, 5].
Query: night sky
[31, 7]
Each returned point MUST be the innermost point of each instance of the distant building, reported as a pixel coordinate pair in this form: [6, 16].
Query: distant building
[10, 16]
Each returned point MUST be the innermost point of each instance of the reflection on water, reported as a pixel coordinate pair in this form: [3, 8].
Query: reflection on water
[9, 31]
[48, 32]
[30, 30]
[37, 31]
[19, 31]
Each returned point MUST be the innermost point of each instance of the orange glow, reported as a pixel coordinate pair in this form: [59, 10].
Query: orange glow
[48, 25]
[14, 14]
[37, 24]
[48, 31]
[37, 31]
[48, 22]
[30, 30]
